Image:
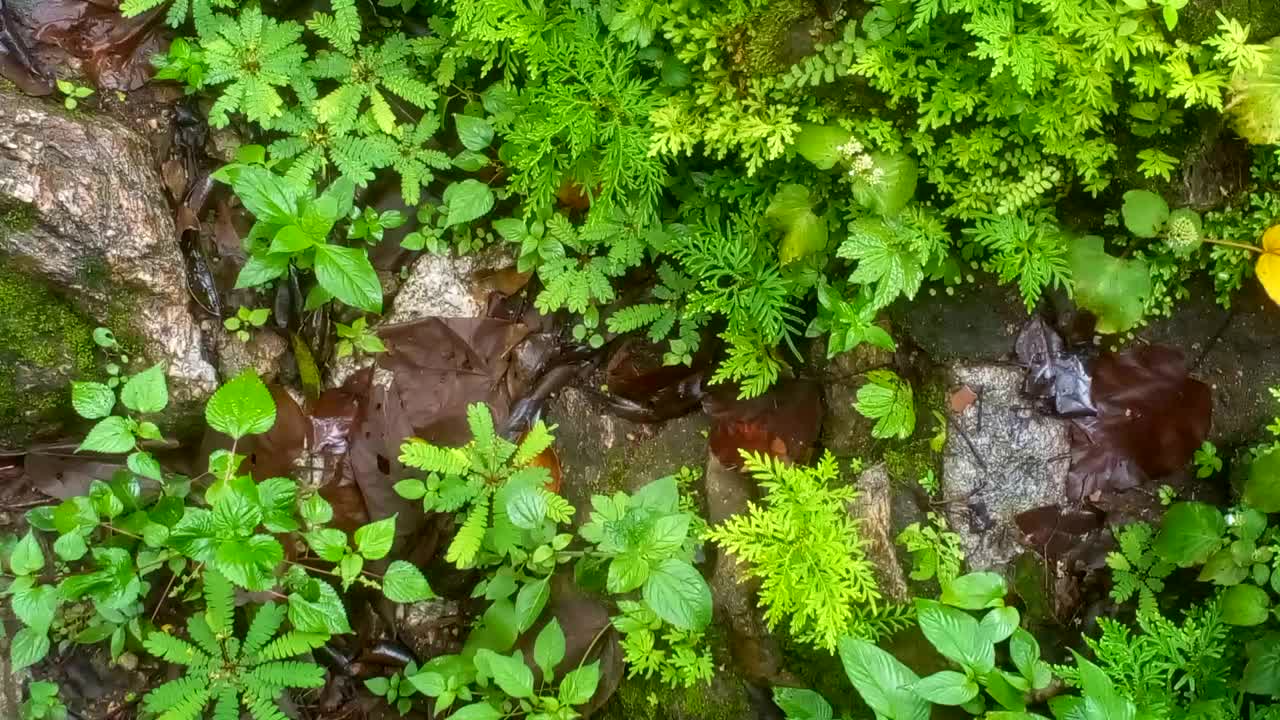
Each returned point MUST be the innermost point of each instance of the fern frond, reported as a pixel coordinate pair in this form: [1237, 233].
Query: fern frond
[466, 543]
[265, 623]
[284, 674]
[172, 693]
[342, 28]
[634, 317]
[263, 707]
[292, 644]
[174, 650]
[538, 439]
[418, 453]
[220, 602]
[227, 706]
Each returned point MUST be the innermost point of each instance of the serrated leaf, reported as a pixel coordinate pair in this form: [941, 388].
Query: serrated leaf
[404, 583]
[375, 539]
[147, 391]
[241, 407]
[92, 400]
[110, 435]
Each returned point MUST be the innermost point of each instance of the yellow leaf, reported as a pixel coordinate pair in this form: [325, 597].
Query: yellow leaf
[1268, 267]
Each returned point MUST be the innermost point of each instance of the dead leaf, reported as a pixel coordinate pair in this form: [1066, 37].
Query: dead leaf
[961, 398]
[783, 422]
[1268, 267]
[117, 50]
[1052, 373]
[16, 63]
[1151, 419]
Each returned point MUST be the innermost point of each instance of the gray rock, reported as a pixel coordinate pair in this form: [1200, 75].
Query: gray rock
[601, 454]
[432, 627]
[265, 353]
[11, 683]
[86, 239]
[874, 511]
[446, 286]
[977, 320]
[1002, 457]
[845, 431]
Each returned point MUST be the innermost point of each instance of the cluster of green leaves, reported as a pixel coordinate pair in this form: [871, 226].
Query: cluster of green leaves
[936, 552]
[220, 531]
[651, 646]
[245, 320]
[887, 399]
[1135, 569]
[43, 702]
[801, 542]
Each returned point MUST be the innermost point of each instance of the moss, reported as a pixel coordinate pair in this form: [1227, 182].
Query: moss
[44, 343]
[15, 217]
[641, 699]
[1199, 20]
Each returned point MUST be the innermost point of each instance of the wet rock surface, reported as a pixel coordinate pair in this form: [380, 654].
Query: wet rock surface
[1002, 457]
[86, 232]
[975, 321]
[446, 286]
[874, 511]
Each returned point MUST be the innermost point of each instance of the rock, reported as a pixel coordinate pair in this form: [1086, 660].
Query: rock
[976, 320]
[447, 286]
[11, 683]
[1002, 457]
[601, 454]
[432, 627]
[265, 353]
[874, 511]
[86, 239]
[845, 431]
[726, 697]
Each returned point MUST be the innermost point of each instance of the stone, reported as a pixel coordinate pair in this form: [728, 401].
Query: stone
[845, 431]
[432, 627]
[976, 320]
[601, 454]
[265, 353]
[86, 239]
[874, 511]
[1002, 457]
[447, 286]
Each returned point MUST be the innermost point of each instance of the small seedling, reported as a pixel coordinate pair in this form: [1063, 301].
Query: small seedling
[370, 225]
[588, 330]
[245, 320]
[73, 93]
[358, 336]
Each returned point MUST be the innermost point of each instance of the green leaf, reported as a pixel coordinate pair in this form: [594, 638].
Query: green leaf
[92, 400]
[549, 648]
[1262, 672]
[469, 161]
[1025, 653]
[111, 435]
[145, 464]
[347, 274]
[375, 539]
[28, 647]
[882, 681]
[626, 573]
[530, 602]
[261, 269]
[677, 592]
[580, 685]
[510, 673]
[475, 133]
[1245, 605]
[476, 711]
[946, 688]
[975, 591]
[1115, 290]
[1145, 213]
[405, 583]
[26, 557]
[329, 544]
[70, 547]
[820, 144]
[467, 200]
[146, 392]
[999, 623]
[801, 704]
[35, 605]
[956, 635]
[892, 186]
[320, 611]
[241, 407]
[1262, 488]
[527, 508]
[791, 211]
[270, 197]
[887, 398]
[1191, 532]
[316, 510]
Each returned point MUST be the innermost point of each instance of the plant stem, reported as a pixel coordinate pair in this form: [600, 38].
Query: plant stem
[1236, 245]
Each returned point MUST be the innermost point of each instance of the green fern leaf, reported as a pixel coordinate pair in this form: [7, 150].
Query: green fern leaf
[420, 454]
[466, 543]
[172, 693]
[220, 603]
[265, 623]
[292, 644]
[174, 650]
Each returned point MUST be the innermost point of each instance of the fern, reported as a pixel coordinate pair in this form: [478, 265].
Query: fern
[806, 550]
[473, 480]
[1135, 569]
[255, 55]
[370, 77]
[230, 671]
[201, 11]
[1029, 249]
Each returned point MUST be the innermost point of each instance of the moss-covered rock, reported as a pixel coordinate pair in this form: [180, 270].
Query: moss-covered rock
[87, 239]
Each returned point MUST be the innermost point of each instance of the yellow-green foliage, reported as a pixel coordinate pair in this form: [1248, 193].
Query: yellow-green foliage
[805, 548]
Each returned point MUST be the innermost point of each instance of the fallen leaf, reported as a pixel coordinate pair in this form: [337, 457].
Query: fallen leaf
[961, 398]
[1051, 372]
[1268, 267]
[783, 422]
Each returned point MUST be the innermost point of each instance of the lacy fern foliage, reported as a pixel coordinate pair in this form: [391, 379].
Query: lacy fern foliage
[802, 544]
